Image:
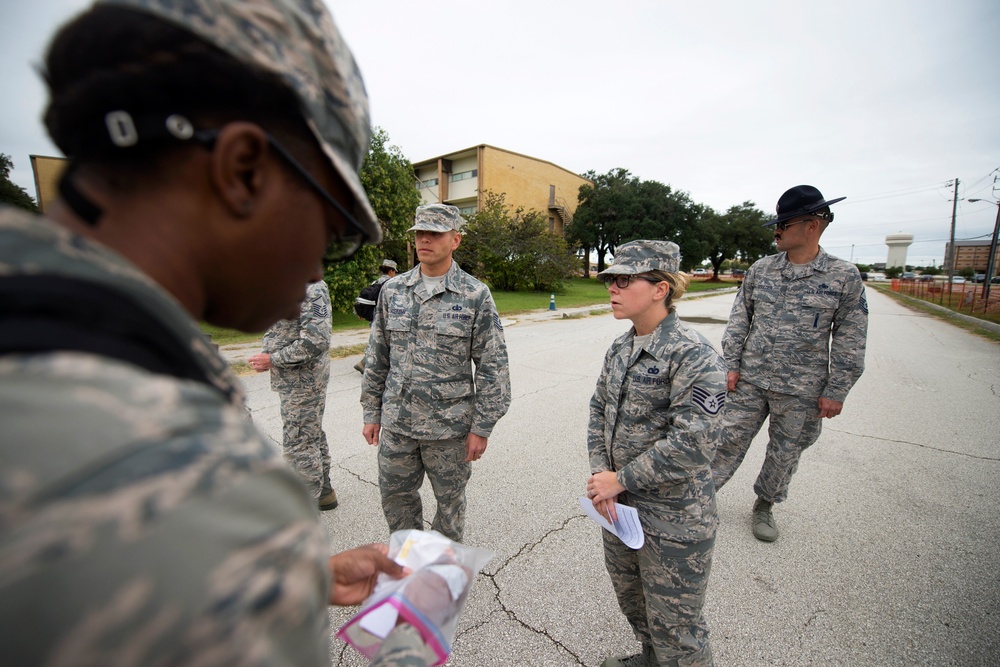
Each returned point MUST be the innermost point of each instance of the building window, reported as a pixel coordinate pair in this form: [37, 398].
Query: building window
[429, 183]
[463, 175]
[468, 210]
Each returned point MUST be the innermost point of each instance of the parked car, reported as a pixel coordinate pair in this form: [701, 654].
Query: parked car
[700, 272]
[738, 273]
[957, 280]
[926, 278]
[909, 275]
[980, 277]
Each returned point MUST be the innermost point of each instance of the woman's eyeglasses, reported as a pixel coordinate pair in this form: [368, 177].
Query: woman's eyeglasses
[623, 281]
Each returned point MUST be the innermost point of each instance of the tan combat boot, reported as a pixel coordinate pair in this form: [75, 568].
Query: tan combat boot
[765, 528]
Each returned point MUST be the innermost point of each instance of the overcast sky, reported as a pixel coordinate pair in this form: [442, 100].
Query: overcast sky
[885, 102]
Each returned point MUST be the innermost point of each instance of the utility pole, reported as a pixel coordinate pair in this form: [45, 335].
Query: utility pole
[953, 254]
[991, 262]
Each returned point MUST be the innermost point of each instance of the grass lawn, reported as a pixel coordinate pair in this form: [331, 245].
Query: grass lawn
[915, 303]
[576, 293]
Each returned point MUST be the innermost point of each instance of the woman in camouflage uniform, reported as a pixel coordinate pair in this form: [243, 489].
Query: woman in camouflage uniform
[652, 434]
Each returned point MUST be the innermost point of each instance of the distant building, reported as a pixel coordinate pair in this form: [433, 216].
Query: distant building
[968, 254]
[462, 179]
[47, 171]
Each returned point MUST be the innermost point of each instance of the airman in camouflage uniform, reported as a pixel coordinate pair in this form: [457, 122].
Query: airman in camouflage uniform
[423, 405]
[794, 347]
[143, 520]
[654, 423]
[297, 354]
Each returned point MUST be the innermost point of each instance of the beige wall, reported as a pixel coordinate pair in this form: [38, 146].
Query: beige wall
[527, 181]
[47, 171]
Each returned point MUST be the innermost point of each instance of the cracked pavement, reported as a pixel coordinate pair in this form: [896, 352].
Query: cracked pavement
[888, 551]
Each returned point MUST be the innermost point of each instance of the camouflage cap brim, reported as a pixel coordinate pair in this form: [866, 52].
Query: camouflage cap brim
[643, 256]
[431, 226]
[618, 270]
[437, 218]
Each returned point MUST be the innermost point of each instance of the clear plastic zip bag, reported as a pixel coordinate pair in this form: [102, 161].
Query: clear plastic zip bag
[430, 599]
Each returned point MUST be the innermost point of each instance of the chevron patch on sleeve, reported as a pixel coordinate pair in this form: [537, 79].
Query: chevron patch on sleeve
[707, 401]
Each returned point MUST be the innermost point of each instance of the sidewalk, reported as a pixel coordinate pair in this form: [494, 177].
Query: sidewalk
[240, 351]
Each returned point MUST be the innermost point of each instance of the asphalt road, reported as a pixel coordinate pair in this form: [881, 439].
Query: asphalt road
[888, 552]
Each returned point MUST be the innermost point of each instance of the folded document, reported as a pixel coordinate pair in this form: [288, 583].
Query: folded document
[626, 528]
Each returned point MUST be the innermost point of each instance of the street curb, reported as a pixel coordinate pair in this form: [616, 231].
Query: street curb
[968, 319]
[237, 352]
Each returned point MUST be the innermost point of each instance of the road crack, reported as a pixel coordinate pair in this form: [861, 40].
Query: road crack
[915, 444]
[512, 614]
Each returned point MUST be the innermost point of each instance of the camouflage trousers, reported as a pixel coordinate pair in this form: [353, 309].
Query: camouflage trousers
[661, 590]
[794, 426]
[303, 439]
[402, 462]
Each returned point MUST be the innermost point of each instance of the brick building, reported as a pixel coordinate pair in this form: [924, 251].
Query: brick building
[462, 178]
[969, 254]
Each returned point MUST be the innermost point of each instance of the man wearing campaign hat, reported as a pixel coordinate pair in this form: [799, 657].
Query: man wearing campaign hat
[424, 405]
[214, 149]
[794, 347]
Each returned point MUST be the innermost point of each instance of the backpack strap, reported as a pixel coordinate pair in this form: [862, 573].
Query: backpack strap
[46, 313]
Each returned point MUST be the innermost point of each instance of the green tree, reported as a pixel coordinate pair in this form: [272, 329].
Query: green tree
[387, 177]
[864, 268]
[968, 273]
[737, 234]
[893, 272]
[932, 271]
[513, 250]
[618, 208]
[596, 222]
[12, 194]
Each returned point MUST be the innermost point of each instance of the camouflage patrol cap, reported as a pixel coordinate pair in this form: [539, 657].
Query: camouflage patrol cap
[298, 41]
[389, 264]
[437, 218]
[637, 257]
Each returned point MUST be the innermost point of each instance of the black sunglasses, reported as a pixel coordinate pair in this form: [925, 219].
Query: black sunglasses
[623, 281]
[784, 224]
[345, 243]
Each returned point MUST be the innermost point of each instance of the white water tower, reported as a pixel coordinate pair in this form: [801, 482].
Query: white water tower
[898, 243]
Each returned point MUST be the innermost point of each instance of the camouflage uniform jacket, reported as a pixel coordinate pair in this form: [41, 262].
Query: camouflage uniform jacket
[419, 378]
[143, 521]
[654, 419]
[799, 329]
[300, 348]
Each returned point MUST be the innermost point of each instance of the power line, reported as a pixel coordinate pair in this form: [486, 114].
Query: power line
[970, 187]
[872, 245]
[915, 189]
[904, 192]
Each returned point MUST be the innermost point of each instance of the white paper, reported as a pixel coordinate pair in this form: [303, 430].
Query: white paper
[627, 528]
[380, 621]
